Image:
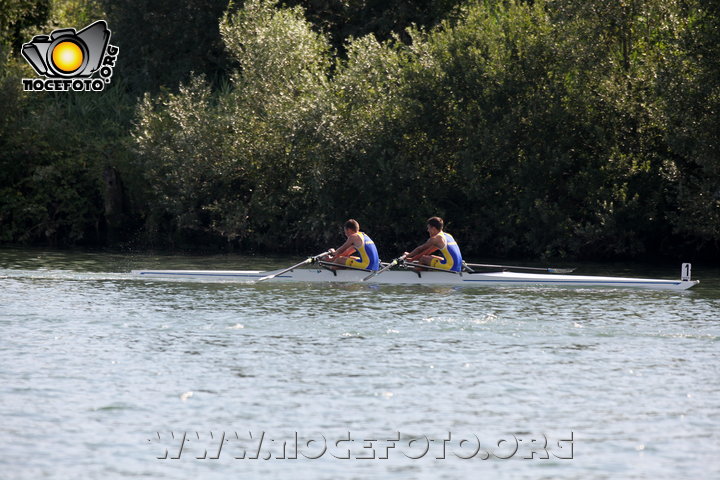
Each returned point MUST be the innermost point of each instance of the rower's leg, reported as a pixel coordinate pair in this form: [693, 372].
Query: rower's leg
[439, 262]
[428, 260]
[344, 261]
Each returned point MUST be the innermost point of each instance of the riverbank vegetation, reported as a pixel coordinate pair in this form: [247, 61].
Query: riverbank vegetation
[549, 128]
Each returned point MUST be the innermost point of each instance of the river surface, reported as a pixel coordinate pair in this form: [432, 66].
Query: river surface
[103, 375]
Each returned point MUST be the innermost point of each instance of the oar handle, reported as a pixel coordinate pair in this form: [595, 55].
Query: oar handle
[400, 259]
[316, 257]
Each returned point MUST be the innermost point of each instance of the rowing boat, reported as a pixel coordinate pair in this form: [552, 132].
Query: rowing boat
[410, 277]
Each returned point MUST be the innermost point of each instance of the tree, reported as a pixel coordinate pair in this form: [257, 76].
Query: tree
[234, 163]
[691, 90]
[163, 41]
[18, 15]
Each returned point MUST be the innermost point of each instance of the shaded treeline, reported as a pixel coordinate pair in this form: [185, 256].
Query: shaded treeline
[549, 128]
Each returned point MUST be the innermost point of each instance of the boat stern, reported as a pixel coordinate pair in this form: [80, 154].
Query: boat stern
[686, 280]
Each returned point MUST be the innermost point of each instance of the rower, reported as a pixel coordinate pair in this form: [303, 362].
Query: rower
[358, 243]
[444, 242]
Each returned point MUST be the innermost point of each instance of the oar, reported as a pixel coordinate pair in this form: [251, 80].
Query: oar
[513, 267]
[304, 262]
[385, 268]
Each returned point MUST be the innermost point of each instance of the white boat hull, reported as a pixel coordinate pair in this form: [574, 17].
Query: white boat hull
[493, 279]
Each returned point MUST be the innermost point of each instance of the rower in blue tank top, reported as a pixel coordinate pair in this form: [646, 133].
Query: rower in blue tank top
[451, 258]
[358, 251]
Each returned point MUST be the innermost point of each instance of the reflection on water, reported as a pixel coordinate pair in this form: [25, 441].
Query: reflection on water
[96, 363]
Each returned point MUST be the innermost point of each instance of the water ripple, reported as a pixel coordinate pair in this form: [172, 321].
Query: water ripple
[104, 361]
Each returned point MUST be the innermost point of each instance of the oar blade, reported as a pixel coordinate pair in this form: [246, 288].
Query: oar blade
[518, 267]
[267, 277]
[273, 275]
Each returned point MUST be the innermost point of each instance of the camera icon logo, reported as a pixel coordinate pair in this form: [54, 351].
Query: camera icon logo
[68, 54]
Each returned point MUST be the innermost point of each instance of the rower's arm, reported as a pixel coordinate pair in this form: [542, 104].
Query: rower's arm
[346, 248]
[425, 249]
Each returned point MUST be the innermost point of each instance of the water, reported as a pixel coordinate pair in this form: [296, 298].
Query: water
[101, 373]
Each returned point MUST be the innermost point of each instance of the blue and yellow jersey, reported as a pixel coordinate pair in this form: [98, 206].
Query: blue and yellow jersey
[369, 258]
[452, 260]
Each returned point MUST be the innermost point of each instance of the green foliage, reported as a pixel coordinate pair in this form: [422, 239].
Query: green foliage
[162, 41]
[548, 128]
[691, 94]
[233, 164]
[360, 138]
[16, 16]
[282, 76]
[182, 159]
[53, 150]
[76, 13]
[344, 20]
[51, 166]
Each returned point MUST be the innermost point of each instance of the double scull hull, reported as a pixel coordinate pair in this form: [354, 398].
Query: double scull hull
[407, 277]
